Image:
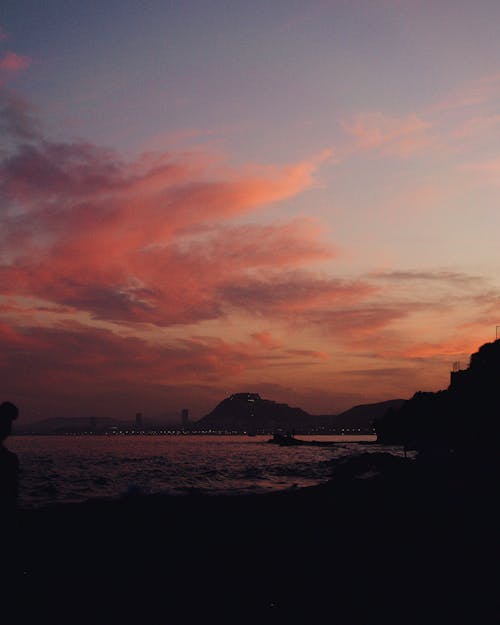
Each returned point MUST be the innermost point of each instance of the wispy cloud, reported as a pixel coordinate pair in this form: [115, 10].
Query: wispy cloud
[388, 136]
[450, 277]
[470, 94]
[487, 171]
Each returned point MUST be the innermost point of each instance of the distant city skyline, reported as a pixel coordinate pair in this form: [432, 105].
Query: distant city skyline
[200, 199]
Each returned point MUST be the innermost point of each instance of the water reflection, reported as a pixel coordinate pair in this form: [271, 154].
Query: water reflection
[77, 468]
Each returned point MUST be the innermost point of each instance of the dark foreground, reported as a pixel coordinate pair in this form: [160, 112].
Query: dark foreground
[408, 545]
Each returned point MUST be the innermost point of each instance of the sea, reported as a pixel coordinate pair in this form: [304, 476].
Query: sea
[71, 469]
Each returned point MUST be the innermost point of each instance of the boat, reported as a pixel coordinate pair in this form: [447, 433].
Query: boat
[286, 439]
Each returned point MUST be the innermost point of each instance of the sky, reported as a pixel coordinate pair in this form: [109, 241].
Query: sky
[199, 198]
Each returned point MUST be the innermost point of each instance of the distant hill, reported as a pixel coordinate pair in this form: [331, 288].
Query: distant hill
[362, 416]
[241, 411]
[248, 411]
[54, 425]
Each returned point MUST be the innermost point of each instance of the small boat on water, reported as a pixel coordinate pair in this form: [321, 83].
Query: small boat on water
[285, 439]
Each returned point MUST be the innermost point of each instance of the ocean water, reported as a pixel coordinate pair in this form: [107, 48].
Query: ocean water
[56, 469]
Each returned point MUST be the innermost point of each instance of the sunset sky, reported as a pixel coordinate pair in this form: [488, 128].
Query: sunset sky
[198, 198]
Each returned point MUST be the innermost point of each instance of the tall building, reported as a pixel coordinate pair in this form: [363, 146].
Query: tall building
[185, 416]
[138, 421]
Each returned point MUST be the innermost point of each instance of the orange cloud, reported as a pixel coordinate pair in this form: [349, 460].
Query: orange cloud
[448, 349]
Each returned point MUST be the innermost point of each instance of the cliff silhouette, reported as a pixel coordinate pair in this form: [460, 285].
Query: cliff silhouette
[463, 417]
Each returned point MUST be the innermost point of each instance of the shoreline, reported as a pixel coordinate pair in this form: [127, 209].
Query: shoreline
[400, 546]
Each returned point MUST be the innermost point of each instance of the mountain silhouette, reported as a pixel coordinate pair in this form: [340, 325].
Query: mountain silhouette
[248, 411]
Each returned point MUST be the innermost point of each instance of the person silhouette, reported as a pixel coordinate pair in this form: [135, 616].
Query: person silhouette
[9, 464]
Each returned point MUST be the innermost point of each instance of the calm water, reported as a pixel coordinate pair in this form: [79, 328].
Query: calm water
[78, 468]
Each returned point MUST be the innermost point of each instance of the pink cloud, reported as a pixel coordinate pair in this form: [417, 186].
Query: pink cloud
[266, 340]
[149, 240]
[453, 278]
[180, 282]
[293, 294]
[470, 94]
[12, 62]
[485, 171]
[356, 324]
[309, 353]
[10, 339]
[389, 136]
[478, 126]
